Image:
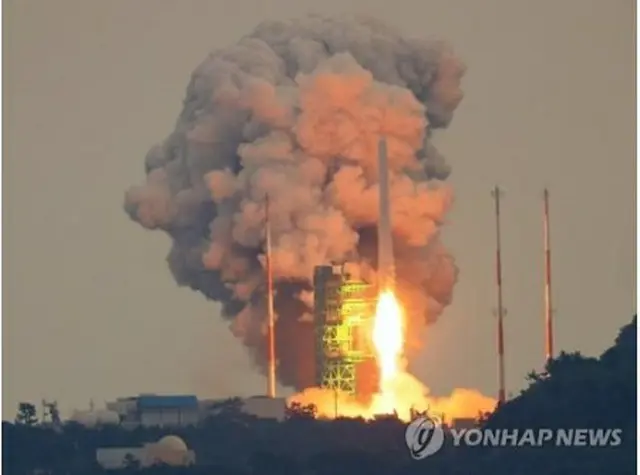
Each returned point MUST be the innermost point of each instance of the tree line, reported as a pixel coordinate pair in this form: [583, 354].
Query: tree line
[573, 391]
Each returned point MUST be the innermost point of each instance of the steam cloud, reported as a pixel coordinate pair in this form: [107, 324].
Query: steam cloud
[294, 111]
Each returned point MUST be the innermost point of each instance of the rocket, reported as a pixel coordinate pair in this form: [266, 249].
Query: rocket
[386, 266]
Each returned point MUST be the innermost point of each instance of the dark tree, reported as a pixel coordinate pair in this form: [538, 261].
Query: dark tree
[26, 414]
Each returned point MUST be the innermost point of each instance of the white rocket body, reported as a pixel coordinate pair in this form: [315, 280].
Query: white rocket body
[386, 265]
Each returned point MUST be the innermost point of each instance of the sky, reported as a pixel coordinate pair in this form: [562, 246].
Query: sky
[90, 309]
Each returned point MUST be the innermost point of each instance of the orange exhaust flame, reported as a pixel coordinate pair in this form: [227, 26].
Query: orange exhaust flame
[388, 339]
[399, 392]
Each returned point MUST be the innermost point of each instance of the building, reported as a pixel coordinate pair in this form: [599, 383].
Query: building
[152, 410]
[265, 407]
[344, 310]
[170, 450]
[127, 409]
[93, 418]
[178, 411]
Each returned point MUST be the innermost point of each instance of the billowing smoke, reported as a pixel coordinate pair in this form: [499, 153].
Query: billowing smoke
[294, 111]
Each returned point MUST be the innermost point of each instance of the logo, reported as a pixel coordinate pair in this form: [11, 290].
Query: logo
[424, 437]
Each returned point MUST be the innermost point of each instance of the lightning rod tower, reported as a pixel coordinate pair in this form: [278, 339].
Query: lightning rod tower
[547, 282]
[500, 311]
[271, 377]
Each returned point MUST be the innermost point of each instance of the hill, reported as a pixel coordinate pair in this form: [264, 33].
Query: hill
[573, 392]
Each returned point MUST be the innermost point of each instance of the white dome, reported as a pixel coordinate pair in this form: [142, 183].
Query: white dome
[170, 450]
[173, 443]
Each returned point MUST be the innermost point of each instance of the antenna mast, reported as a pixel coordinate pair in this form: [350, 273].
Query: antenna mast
[271, 377]
[500, 312]
[547, 283]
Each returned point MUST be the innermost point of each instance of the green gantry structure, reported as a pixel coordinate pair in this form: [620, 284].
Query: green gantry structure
[344, 311]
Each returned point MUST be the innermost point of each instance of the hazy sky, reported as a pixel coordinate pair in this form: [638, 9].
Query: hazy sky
[90, 308]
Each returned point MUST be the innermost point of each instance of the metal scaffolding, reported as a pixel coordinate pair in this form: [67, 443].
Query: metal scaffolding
[344, 309]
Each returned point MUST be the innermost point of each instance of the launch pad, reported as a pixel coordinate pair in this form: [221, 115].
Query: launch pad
[344, 310]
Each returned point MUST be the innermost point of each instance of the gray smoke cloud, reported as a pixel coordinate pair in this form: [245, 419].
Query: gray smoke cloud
[294, 111]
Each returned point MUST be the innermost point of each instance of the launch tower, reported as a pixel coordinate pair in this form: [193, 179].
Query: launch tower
[344, 311]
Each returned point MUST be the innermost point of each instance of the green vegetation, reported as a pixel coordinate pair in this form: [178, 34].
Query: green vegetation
[26, 414]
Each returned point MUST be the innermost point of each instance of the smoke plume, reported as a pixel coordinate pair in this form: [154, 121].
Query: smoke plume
[294, 111]
[409, 394]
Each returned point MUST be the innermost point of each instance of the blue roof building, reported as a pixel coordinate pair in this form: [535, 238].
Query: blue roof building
[157, 410]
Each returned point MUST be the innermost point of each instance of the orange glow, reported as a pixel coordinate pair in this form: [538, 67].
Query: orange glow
[399, 391]
[388, 339]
